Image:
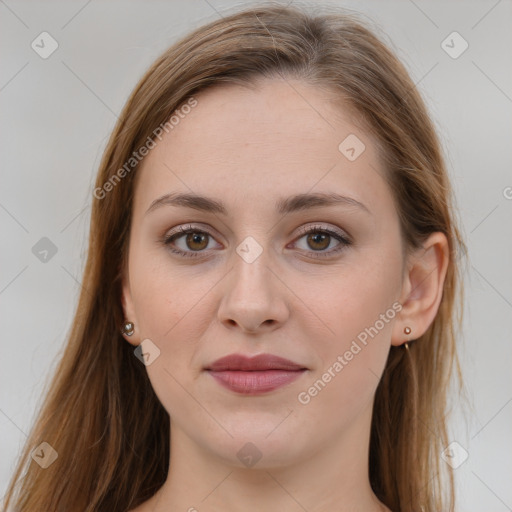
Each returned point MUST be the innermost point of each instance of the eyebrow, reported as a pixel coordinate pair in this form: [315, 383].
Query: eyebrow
[283, 206]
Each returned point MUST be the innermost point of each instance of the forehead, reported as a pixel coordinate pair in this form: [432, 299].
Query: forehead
[275, 138]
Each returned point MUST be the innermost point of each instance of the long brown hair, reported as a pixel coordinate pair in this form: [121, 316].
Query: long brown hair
[101, 414]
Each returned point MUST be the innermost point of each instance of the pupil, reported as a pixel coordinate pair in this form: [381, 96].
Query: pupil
[196, 238]
[315, 241]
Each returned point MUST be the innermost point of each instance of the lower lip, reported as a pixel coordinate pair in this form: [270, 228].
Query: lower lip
[255, 382]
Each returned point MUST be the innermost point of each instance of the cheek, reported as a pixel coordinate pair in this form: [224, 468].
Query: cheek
[161, 293]
[172, 311]
[354, 296]
[358, 308]
[174, 308]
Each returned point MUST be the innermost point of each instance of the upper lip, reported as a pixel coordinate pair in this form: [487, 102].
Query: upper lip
[259, 362]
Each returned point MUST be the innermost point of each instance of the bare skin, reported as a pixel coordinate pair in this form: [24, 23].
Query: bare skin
[249, 148]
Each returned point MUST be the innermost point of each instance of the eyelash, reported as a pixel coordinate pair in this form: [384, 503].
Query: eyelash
[187, 229]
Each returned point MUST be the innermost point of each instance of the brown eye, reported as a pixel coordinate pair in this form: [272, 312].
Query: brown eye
[196, 241]
[319, 241]
[188, 241]
[192, 241]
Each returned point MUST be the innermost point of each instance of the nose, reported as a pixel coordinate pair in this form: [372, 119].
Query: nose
[253, 297]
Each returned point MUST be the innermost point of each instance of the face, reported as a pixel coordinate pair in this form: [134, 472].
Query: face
[317, 285]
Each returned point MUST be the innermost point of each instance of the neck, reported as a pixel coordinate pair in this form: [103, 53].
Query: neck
[334, 478]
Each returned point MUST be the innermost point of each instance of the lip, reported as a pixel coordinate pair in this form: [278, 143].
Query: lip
[256, 363]
[254, 375]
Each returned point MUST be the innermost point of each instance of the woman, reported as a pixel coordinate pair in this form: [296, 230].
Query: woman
[272, 232]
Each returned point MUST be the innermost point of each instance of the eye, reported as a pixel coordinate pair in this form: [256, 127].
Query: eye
[195, 241]
[319, 238]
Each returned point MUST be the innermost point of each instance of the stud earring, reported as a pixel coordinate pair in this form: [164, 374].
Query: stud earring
[407, 330]
[128, 328]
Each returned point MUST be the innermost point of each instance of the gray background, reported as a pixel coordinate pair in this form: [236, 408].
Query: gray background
[56, 116]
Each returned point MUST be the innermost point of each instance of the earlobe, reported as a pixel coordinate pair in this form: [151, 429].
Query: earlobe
[128, 328]
[423, 289]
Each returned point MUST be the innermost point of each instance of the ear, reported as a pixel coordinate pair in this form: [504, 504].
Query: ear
[422, 288]
[129, 310]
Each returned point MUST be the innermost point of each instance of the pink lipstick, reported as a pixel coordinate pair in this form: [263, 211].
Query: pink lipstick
[254, 375]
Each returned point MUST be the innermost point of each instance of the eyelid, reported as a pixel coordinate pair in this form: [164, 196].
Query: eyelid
[201, 228]
[184, 229]
[340, 235]
[304, 230]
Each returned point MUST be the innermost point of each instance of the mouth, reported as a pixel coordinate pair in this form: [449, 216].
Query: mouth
[254, 375]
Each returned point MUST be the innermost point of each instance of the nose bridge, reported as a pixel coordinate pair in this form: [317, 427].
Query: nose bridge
[252, 295]
[252, 278]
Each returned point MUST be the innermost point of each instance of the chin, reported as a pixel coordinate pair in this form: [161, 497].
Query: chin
[258, 445]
